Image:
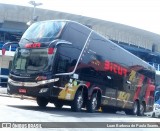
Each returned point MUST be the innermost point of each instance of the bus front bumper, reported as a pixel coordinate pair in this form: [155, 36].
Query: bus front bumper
[29, 91]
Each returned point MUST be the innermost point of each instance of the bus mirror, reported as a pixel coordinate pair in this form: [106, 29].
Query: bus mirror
[8, 44]
[10, 65]
[57, 42]
[63, 42]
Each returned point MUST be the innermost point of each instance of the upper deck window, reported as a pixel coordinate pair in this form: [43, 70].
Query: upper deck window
[45, 31]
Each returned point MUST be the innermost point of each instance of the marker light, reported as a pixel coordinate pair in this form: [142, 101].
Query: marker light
[33, 45]
[50, 50]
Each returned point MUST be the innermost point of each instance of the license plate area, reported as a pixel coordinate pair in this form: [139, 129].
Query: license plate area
[22, 91]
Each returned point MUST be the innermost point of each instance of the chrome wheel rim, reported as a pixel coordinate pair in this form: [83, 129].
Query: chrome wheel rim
[94, 103]
[135, 108]
[141, 109]
[79, 101]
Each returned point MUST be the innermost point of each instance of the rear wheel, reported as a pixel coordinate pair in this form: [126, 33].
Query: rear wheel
[134, 110]
[141, 109]
[92, 103]
[77, 102]
[42, 102]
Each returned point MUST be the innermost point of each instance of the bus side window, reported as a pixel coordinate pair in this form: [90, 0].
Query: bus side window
[63, 64]
[67, 58]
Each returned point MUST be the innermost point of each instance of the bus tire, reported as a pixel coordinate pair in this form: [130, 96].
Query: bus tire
[134, 110]
[58, 104]
[42, 102]
[77, 102]
[141, 109]
[92, 103]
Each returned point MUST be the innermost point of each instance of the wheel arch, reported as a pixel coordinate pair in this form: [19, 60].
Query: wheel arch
[84, 89]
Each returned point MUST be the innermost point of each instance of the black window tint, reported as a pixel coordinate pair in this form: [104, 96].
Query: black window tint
[45, 31]
[76, 34]
[92, 63]
[66, 58]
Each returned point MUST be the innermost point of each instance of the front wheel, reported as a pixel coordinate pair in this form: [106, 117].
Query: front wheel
[77, 102]
[42, 102]
[92, 103]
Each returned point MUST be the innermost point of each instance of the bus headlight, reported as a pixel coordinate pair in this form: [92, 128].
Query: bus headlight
[47, 81]
[42, 82]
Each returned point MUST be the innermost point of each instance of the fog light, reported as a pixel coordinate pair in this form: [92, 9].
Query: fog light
[43, 90]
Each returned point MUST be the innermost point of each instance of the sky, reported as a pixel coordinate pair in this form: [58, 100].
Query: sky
[142, 14]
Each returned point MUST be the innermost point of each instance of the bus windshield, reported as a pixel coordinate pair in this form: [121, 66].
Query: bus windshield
[43, 32]
[32, 61]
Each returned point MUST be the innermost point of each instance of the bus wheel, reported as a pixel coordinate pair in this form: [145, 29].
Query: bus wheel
[58, 104]
[77, 102]
[141, 110]
[42, 102]
[92, 103]
[134, 110]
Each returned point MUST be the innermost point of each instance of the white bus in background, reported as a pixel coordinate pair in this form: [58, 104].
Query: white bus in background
[156, 109]
[4, 63]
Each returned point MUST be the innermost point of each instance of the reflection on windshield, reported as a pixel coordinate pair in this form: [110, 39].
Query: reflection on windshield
[43, 31]
[32, 61]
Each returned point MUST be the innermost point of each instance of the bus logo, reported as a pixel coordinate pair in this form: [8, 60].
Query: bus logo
[115, 68]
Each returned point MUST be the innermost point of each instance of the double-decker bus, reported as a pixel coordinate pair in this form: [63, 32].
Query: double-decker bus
[66, 63]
